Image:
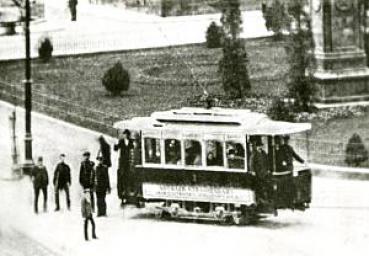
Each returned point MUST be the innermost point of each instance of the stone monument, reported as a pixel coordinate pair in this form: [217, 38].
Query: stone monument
[341, 71]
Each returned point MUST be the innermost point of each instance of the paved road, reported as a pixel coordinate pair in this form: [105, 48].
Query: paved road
[101, 29]
[337, 224]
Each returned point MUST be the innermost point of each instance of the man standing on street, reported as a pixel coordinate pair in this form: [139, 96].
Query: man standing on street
[87, 176]
[62, 181]
[102, 186]
[40, 180]
[73, 9]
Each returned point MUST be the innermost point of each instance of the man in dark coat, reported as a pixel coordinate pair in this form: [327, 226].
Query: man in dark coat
[87, 176]
[40, 180]
[62, 181]
[289, 155]
[260, 168]
[125, 145]
[73, 9]
[105, 152]
[102, 186]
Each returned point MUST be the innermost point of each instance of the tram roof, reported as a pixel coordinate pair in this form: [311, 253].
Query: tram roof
[214, 120]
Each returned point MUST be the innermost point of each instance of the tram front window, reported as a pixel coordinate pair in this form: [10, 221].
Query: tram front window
[214, 153]
[172, 152]
[235, 155]
[193, 153]
[152, 150]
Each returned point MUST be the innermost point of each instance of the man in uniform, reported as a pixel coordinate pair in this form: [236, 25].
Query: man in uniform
[289, 155]
[125, 145]
[87, 176]
[40, 180]
[102, 186]
[260, 168]
[62, 181]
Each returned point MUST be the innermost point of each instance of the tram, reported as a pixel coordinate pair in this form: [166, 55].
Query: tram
[197, 163]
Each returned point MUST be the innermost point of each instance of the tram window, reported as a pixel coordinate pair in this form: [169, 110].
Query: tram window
[235, 155]
[214, 153]
[152, 150]
[172, 151]
[193, 153]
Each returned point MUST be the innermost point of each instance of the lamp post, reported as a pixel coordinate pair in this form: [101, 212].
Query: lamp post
[28, 91]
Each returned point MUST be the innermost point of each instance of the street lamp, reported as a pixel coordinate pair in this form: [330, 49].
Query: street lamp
[28, 91]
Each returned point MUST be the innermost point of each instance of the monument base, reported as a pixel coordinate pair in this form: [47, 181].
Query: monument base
[343, 88]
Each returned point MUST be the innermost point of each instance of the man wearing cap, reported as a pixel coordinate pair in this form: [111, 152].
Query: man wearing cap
[102, 186]
[125, 145]
[62, 181]
[87, 176]
[40, 180]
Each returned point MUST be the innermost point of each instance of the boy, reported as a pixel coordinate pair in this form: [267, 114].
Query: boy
[86, 209]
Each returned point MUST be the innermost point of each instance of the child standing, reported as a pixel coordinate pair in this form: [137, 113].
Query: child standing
[86, 209]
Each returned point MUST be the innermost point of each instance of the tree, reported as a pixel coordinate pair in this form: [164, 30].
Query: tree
[116, 79]
[276, 18]
[300, 44]
[356, 152]
[233, 65]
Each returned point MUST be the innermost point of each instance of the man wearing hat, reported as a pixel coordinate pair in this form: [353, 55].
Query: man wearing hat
[260, 168]
[62, 181]
[102, 186]
[87, 176]
[125, 145]
[40, 180]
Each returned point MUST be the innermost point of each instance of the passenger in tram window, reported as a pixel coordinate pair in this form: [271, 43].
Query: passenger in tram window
[211, 160]
[289, 154]
[236, 156]
[193, 153]
[152, 150]
[172, 152]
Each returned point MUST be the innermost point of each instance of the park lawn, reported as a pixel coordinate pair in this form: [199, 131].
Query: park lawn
[78, 79]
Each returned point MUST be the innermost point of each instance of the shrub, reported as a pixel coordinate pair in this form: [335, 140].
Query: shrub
[214, 36]
[45, 49]
[280, 110]
[116, 79]
[356, 152]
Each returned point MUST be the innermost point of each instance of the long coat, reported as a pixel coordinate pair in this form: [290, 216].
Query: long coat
[125, 153]
[106, 153]
[40, 177]
[102, 179]
[61, 175]
[259, 164]
[87, 174]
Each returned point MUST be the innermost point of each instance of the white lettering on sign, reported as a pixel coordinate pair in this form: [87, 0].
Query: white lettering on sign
[199, 193]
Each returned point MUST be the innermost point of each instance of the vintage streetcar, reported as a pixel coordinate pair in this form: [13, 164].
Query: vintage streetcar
[198, 163]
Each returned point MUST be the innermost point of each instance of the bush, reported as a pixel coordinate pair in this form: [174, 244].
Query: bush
[280, 110]
[45, 49]
[214, 36]
[356, 152]
[116, 79]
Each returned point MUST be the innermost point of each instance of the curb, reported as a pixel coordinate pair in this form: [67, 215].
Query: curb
[341, 172]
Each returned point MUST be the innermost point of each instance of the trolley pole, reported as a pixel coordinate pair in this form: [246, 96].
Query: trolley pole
[28, 92]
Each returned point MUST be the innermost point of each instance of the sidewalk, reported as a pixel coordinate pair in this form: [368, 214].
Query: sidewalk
[104, 29]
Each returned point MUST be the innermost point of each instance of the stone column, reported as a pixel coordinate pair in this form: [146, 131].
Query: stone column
[341, 72]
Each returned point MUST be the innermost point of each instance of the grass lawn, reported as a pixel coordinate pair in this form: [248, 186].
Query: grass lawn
[163, 79]
[78, 79]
